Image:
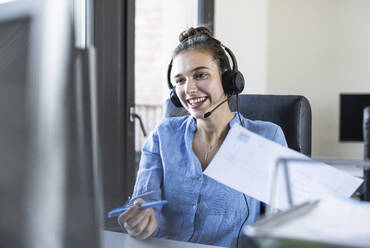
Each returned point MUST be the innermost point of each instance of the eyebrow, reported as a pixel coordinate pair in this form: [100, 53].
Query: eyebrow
[195, 69]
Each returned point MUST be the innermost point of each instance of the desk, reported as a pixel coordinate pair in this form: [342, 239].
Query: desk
[122, 240]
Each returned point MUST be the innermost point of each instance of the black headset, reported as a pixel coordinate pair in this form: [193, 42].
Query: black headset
[232, 80]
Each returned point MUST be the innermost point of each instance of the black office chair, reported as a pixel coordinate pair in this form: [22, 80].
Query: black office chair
[291, 112]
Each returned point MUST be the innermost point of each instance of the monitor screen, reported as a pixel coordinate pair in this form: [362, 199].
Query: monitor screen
[45, 170]
[14, 126]
[351, 116]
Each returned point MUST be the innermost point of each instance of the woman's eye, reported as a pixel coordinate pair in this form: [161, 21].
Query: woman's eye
[200, 75]
[180, 80]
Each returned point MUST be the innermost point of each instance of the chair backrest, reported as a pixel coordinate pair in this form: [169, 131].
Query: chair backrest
[291, 112]
[366, 133]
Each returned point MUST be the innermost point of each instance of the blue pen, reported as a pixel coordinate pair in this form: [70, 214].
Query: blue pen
[118, 211]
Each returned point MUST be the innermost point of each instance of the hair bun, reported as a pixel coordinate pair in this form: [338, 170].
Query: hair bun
[194, 31]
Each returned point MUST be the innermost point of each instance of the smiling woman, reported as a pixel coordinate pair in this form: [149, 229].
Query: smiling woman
[198, 82]
[179, 149]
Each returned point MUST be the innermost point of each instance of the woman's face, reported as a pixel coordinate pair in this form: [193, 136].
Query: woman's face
[198, 81]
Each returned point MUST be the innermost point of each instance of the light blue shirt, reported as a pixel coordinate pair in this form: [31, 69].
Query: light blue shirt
[199, 208]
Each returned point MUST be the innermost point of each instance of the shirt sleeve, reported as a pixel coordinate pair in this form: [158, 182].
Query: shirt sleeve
[280, 137]
[149, 178]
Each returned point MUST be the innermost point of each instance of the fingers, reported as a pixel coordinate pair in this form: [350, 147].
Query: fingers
[139, 230]
[149, 229]
[132, 212]
[139, 223]
[139, 201]
[136, 220]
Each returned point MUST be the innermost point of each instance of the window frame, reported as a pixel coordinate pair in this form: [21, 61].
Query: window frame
[114, 27]
[205, 13]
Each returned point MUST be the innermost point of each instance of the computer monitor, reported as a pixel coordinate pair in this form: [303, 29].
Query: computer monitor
[14, 125]
[38, 107]
[351, 116]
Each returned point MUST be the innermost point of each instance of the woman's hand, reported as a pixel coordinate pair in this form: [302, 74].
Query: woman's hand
[139, 223]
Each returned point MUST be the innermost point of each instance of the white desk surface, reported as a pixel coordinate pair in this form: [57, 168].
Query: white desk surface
[122, 240]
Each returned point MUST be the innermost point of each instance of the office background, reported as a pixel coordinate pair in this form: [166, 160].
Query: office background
[318, 49]
[315, 48]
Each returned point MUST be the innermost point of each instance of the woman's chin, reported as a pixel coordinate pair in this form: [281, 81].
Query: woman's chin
[197, 114]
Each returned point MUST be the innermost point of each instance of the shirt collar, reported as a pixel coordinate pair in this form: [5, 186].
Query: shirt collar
[234, 120]
[193, 124]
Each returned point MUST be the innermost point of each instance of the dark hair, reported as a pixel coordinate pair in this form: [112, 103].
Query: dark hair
[201, 38]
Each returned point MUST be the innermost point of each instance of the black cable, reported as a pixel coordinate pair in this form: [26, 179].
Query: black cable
[245, 199]
[246, 218]
[237, 109]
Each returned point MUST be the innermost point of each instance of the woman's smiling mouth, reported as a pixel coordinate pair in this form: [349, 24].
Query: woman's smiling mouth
[196, 101]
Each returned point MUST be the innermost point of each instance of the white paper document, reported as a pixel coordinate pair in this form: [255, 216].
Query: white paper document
[246, 162]
[333, 220]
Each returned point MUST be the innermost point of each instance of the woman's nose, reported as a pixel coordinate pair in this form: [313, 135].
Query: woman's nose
[191, 86]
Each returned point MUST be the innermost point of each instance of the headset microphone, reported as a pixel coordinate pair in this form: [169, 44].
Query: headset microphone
[206, 115]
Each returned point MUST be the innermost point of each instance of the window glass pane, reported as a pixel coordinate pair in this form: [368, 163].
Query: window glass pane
[157, 26]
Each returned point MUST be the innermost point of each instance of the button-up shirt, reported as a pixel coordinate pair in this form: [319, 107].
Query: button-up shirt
[199, 208]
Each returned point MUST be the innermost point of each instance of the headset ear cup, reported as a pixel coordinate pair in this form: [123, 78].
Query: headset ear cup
[226, 82]
[232, 82]
[238, 81]
[174, 98]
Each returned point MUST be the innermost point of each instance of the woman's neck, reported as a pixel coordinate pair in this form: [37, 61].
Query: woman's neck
[215, 126]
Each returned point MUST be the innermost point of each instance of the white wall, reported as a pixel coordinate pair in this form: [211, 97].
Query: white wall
[178, 16]
[317, 48]
[241, 25]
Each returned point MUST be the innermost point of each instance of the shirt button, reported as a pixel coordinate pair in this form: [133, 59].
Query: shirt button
[200, 179]
[194, 207]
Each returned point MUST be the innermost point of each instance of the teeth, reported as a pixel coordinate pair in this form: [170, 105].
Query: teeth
[200, 99]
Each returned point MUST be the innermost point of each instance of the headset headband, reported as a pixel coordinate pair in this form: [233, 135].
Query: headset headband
[206, 37]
